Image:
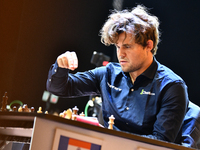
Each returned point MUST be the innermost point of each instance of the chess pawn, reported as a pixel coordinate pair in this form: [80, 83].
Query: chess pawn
[20, 109]
[39, 110]
[64, 113]
[111, 122]
[32, 109]
[61, 115]
[14, 109]
[82, 114]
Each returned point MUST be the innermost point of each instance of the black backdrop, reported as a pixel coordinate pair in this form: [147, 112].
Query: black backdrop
[34, 33]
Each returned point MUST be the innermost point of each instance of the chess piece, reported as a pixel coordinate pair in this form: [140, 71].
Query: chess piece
[20, 109]
[82, 114]
[25, 108]
[32, 109]
[4, 102]
[68, 114]
[61, 115]
[14, 109]
[75, 112]
[39, 110]
[111, 122]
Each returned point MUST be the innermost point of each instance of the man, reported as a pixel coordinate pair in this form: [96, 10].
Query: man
[144, 96]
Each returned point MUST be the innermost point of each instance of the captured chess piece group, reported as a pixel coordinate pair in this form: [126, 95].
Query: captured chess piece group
[69, 114]
[23, 108]
[72, 114]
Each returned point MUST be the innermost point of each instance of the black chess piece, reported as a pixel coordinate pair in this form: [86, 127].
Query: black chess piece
[4, 102]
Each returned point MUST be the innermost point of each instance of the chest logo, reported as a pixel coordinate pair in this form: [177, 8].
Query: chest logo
[146, 93]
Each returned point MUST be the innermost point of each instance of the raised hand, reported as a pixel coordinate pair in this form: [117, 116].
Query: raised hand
[68, 60]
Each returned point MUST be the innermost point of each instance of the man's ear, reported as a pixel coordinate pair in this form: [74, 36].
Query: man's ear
[149, 45]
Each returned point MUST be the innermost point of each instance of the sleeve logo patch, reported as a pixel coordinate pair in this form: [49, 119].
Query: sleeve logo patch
[113, 87]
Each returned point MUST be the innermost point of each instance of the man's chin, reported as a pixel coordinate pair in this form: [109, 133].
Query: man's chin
[125, 69]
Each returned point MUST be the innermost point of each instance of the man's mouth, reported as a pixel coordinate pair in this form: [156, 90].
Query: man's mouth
[122, 62]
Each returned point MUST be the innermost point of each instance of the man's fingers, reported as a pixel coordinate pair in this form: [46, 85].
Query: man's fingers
[68, 60]
[65, 62]
[75, 60]
[60, 63]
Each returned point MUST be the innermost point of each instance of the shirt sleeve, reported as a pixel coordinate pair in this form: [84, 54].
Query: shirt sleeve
[62, 83]
[172, 111]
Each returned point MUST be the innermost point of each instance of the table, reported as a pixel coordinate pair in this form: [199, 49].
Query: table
[43, 132]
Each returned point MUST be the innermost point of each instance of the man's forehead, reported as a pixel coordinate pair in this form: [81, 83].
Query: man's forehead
[125, 39]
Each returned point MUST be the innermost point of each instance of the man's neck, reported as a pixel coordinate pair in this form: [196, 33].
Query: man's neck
[135, 74]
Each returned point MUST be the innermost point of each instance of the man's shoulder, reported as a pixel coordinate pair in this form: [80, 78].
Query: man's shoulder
[111, 68]
[164, 72]
[113, 65]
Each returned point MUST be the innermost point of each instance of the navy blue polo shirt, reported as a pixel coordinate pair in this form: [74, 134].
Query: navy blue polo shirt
[154, 106]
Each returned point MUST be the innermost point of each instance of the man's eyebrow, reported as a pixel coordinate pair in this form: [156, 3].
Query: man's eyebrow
[126, 44]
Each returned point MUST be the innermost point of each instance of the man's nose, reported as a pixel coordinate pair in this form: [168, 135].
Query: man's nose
[121, 52]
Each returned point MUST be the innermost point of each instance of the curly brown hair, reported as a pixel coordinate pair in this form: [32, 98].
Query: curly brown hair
[138, 21]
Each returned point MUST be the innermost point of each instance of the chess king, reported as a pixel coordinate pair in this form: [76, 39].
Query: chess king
[4, 102]
[144, 96]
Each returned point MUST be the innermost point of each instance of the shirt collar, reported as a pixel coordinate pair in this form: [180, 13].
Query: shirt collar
[149, 72]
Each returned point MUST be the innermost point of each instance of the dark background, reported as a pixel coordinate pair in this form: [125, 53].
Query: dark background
[34, 32]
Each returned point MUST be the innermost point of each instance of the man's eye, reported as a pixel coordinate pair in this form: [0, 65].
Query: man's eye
[127, 46]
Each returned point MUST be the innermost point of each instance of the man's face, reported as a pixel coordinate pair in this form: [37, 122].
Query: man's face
[132, 57]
